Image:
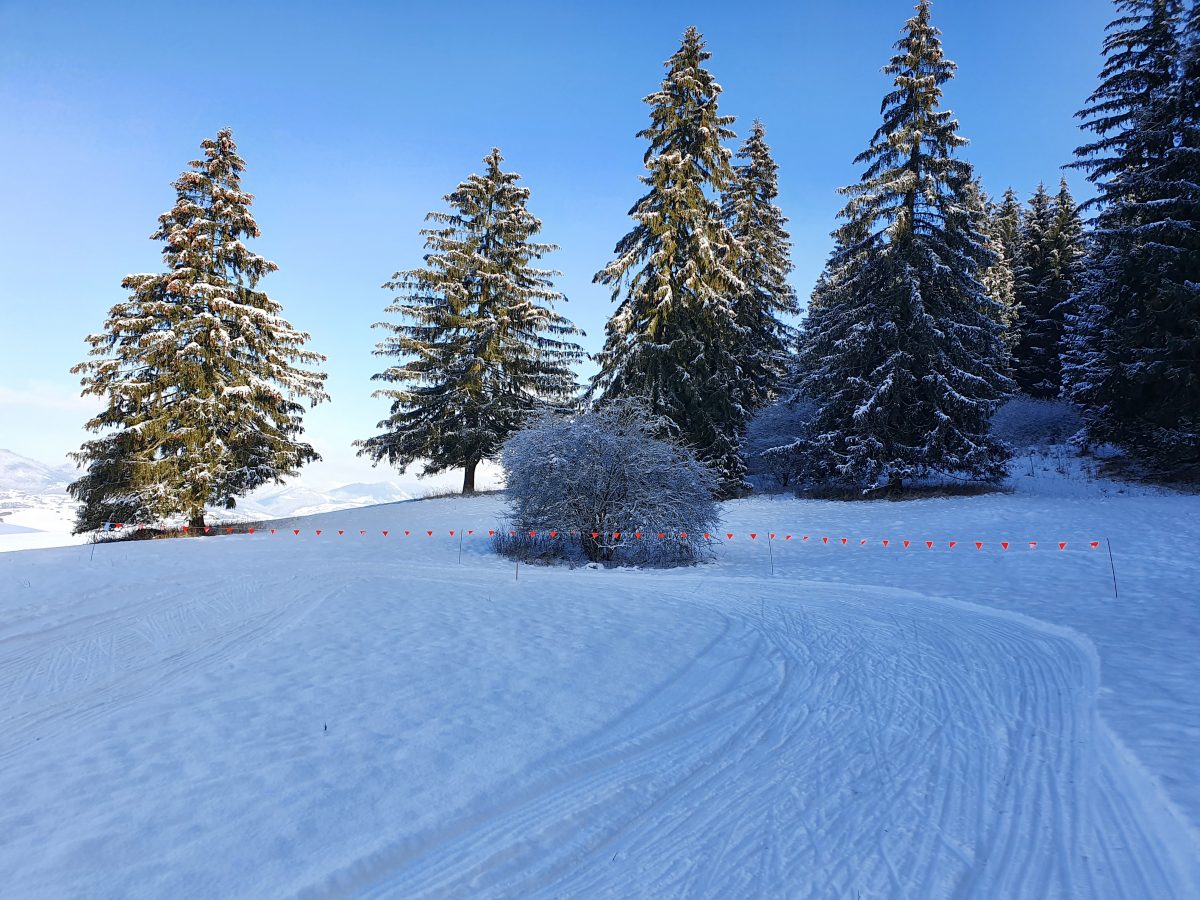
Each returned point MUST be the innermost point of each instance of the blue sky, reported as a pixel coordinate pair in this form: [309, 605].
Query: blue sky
[356, 118]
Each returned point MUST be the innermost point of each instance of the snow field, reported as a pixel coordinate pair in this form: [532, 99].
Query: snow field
[845, 727]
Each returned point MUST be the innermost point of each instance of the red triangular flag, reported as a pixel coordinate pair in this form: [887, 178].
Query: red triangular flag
[429, 533]
[318, 531]
[906, 544]
[952, 543]
[340, 531]
[297, 531]
[229, 531]
[1062, 545]
[385, 534]
[1095, 544]
[885, 543]
[824, 540]
[929, 544]
[683, 535]
[451, 534]
[730, 536]
[753, 535]
[979, 545]
[554, 534]
[1033, 545]
[252, 531]
[843, 542]
[1004, 544]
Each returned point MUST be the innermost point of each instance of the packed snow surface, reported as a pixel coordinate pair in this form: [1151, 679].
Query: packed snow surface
[361, 715]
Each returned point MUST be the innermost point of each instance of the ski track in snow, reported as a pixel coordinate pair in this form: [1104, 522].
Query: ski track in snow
[797, 755]
[817, 740]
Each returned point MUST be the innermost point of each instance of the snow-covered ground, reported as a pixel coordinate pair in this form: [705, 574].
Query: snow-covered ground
[283, 715]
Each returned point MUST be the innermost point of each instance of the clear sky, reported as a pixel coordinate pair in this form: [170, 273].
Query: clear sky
[356, 118]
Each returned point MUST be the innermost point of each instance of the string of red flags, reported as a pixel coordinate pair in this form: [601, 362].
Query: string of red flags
[617, 536]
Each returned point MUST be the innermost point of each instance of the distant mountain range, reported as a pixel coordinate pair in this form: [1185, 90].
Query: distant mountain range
[33, 497]
[20, 473]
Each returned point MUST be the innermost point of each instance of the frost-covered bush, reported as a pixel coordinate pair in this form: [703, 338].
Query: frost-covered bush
[1028, 422]
[775, 441]
[606, 472]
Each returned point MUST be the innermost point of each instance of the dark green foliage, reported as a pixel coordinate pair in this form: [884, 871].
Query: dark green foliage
[903, 347]
[763, 264]
[1133, 348]
[482, 347]
[674, 339]
[201, 376]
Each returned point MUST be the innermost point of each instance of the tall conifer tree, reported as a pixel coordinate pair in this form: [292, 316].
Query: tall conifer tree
[1036, 366]
[482, 346]
[763, 265]
[1133, 353]
[997, 277]
[903, 347]
[201, 376]
[673, 339]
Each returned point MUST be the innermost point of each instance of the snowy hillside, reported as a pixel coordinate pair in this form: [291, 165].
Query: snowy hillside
[36, 511]
[19, 473]
[365, 715]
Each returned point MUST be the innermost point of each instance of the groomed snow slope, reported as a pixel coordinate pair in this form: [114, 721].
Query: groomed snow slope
[363, 715]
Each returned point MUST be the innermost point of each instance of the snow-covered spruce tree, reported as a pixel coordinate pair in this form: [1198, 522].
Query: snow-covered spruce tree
[201, 376]
[673, 339]
[1036, 366]
[903, 348]
[1133, 351]
[608, 473]
[482, 346]
[762, 266]
[997, 278]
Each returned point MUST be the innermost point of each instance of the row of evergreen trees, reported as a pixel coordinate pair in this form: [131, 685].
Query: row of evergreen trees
[1132, 359]
[936, 302]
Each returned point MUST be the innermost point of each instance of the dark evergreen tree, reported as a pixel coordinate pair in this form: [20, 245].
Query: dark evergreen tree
[482, 347]
[674, 340]
[997, 277]
[903, 347]
[1036, 366]
[1133, 353]
[762, 266]
[201, 376]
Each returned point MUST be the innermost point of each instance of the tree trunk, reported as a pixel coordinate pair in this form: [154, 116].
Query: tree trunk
[196, 521]
[469, 477]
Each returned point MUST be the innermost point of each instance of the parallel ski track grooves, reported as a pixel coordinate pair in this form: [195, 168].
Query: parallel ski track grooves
[944, 761]
[137, 651]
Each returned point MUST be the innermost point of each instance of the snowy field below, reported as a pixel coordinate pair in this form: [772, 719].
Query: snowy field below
[368, 716]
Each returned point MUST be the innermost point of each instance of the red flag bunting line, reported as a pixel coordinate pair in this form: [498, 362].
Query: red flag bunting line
[772, 536]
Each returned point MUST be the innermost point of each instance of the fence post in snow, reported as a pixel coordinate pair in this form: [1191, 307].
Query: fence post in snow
[1112, 566]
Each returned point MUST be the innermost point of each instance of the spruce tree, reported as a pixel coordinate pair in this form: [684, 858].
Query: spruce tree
[674, 339]
[482, 346]
[762, 266]
[1036, 365]
[903, 347]
[1133, 349]
[997, 277]
[201, 376]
